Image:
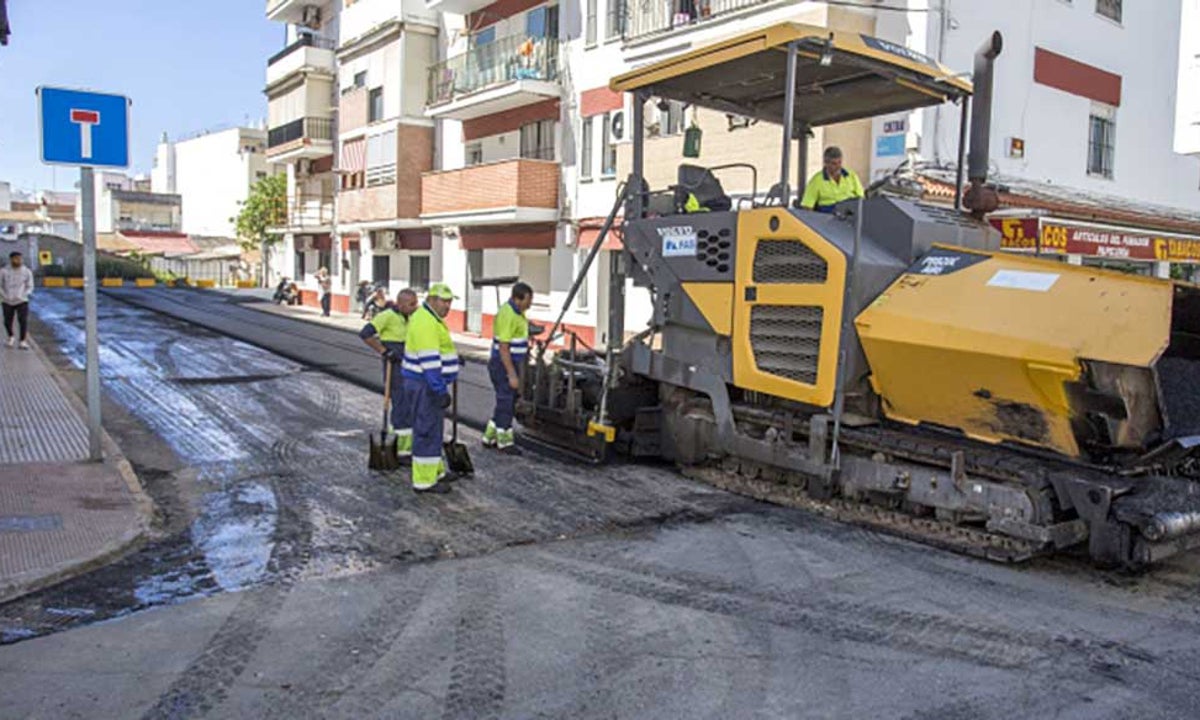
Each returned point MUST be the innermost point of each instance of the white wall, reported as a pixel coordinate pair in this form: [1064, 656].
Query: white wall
[1187, 116]
[1053, 123]
[213, 174]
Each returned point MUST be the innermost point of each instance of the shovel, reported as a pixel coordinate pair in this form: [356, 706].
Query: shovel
[457, 457]
[383, 453]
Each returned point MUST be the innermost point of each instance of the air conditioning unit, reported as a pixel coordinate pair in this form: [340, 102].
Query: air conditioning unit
[310, 17]
[304, 167]
[618, 125]
[304, 243]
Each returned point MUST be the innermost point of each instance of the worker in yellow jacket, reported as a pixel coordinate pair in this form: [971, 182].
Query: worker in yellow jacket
[510, 347]
[430, 367]
[832, 185]
[385, 334]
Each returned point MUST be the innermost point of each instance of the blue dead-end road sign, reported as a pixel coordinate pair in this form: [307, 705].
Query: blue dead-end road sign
[83, 128]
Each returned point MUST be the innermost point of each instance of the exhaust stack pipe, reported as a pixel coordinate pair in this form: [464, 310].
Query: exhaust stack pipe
[980, 199]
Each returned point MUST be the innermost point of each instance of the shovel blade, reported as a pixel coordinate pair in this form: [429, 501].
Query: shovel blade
[458, 459]
[382, 455]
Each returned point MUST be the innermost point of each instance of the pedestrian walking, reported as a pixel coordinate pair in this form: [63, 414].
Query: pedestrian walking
[363, 296]
[326, 284]
[16, 285]
[510, 347]
[386, 334]
[429, 369]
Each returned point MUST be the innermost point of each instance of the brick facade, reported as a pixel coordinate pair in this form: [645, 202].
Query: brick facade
[509, 120]
[352, 109]
[509, 237]
[402, 199]
[505, 184]
[599, 100]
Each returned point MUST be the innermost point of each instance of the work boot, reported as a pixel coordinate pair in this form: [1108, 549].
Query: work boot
[450, 477]
[439, 488]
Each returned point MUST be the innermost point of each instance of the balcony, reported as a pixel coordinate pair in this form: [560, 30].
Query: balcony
[309, 137]
[510, 191]
[311, 214]
[499, 76]
[645, 18]
[458, 7]
[309, 53]
[293, 12]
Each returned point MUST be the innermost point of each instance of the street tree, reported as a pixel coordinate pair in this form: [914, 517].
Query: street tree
[264, 208]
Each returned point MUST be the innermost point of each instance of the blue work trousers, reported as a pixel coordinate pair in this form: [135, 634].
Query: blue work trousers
[506, 397]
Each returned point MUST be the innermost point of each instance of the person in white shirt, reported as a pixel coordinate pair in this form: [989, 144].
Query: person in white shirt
[16, 285]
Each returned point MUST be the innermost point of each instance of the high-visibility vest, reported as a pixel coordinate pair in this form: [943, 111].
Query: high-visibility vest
[390, 326]
[512, 328]
[823, 192]
[429, 353]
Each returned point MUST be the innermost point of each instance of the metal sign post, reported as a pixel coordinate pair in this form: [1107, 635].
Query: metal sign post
[87, 130]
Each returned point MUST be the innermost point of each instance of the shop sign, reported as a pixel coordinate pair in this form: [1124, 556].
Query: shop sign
[1058, 238]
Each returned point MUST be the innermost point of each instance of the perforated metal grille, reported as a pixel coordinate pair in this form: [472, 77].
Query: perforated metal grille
[786, 340]
[788, 261]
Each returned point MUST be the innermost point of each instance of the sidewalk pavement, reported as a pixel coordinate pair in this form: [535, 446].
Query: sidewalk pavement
[470, 346]
[60, 515]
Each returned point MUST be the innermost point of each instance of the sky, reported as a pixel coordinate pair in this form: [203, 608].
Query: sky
[188, 65]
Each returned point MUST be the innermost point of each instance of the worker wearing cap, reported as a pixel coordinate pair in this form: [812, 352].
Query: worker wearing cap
[385, 334]
[510, 347]
[429, 369]
[832, 185]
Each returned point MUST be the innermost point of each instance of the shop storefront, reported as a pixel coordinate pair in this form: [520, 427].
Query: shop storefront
[1144, 251]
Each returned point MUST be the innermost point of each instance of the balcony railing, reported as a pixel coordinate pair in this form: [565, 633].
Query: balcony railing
[305, 40]
[310, 127]
[311, 212]
[649, 17]
[518, 57]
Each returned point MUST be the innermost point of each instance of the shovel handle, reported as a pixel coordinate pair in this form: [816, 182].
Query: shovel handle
[387, 395]
[454, 412]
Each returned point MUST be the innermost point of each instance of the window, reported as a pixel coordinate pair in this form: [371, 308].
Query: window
[671, 119]
[581, 298]
[299, 275]
[1110, 9]
[381, 269]
[585, 149]
[590, 36]
[418, 272]
[1102, 128]
[375, 104]
[608, 149]
[537, 140]
[484, 36]
[474, 154]
[616, 19]
[261, 174]
[542, 22]
[324, 258]
[381, 158]
[360, 79]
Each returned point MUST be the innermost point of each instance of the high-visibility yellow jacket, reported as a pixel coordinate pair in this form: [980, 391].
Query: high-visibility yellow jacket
[512, 328]
[823, 192]
[429, 353]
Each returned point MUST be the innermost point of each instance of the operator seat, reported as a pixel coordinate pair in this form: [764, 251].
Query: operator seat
[703, 185]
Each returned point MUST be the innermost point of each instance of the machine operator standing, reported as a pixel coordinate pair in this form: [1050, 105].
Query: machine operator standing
[386, 334]
[510, 347]
[430, 368]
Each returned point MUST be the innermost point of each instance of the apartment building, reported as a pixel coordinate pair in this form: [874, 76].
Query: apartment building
[212, 171]
[477, 139]
[127, 205]
[385, 142]
[1094, 102]
[301, 92]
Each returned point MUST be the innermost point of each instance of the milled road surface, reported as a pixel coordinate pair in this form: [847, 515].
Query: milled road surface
[289, 582]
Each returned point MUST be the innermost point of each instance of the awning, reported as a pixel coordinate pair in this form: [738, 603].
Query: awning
[354, 155]
[589, 232]
[509, 237]
[114, 243]
[1059, 236]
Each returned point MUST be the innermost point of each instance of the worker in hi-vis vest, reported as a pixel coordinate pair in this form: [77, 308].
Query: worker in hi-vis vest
[429, 369]
[386, 334]
[832, 185]
[510, 347]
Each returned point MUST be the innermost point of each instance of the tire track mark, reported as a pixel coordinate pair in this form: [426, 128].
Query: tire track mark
[477, 677]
